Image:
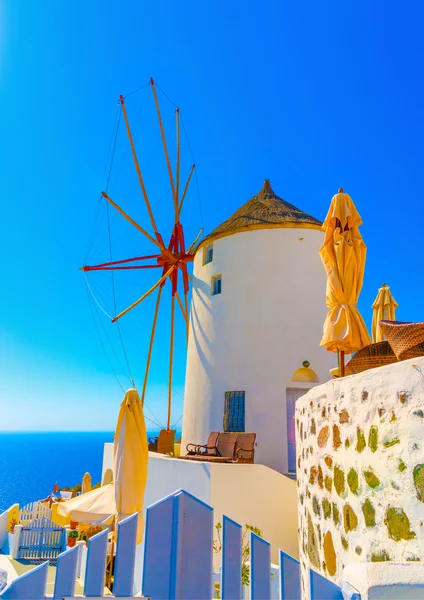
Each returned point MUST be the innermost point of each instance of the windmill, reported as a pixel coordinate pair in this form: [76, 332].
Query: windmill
[171, 258]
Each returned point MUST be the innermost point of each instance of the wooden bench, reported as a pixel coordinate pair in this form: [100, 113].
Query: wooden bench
[164, 443]
[208, 449]
[228, 447]
[245, 448]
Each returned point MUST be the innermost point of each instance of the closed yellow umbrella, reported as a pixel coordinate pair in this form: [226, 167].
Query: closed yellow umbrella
[343, 254]
[130, 457]
[107, 477]
[86, 483]
[384, 308]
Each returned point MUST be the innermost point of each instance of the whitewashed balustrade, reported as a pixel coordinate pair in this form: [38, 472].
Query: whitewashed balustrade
[33, 512]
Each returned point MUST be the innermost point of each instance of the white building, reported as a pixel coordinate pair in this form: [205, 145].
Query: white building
[257, 313]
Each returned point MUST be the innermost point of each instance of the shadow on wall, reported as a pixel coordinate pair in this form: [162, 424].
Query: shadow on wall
[195, 332]
[205, 289]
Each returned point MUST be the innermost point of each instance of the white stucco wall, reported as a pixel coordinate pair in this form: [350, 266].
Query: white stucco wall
[251, 494]
[258, 495]
[391, 581]
[107, 458]
[255, 334]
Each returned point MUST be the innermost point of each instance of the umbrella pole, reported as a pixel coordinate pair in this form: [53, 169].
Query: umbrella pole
[342, 363]
[171, 358]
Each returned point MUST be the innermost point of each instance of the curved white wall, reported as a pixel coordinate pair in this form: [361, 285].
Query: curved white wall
[255, 334]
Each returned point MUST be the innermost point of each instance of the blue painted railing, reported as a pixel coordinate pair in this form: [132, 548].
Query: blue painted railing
[40, 540]
[178, 555]
[231, 586]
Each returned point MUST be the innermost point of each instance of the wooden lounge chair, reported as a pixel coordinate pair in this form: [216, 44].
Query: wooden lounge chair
[153, 444]
[225, 449]
[166, 441]
[245, 448]
[229, 447]
[208, 449]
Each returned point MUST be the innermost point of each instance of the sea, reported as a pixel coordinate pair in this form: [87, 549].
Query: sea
[31, 463]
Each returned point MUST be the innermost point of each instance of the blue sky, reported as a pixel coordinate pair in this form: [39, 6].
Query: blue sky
[312, 95]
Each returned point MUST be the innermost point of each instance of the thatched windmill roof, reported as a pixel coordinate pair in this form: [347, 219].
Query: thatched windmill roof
[264, 211]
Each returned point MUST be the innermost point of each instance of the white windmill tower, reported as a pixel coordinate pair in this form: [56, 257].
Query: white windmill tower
[257, 312]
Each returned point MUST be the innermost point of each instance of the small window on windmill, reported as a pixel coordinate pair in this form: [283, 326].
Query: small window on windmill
[216, 285]
[234, 411]
[208, 254]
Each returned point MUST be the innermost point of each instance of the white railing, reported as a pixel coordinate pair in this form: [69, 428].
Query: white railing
[178, 555]
[4, 527]
[34, 511]
[7, 518]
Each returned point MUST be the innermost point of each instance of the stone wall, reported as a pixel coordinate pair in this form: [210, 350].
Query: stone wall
[360, 453]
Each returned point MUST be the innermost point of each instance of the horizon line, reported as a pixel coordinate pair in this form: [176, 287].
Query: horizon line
[66, 430]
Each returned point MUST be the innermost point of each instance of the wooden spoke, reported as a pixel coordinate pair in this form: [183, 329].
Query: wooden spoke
[131, 268]
[185, 191]
[181, 266]
[137, 226]
[165, 148]
[118, 262]
[181, 306]
[152, 337]
[171, 358]
[137, 166]
[188, 318]
[177, 169]
[196, 239]
[144, 296]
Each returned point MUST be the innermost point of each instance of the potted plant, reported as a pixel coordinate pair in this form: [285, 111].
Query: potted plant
[73, 524]
[245, 555]
[72, 538]
[94, 530]
[13, 522]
